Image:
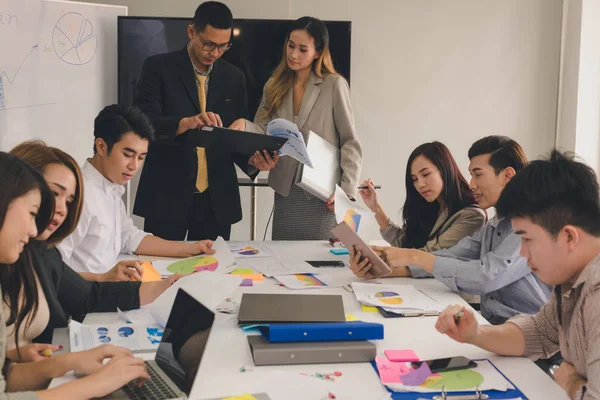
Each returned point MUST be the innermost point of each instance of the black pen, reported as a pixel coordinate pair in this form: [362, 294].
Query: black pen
[366, 187]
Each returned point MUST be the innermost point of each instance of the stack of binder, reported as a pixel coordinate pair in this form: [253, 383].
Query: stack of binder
[306, 329]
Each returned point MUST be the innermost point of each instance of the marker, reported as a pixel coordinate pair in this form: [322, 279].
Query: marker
[366, 187]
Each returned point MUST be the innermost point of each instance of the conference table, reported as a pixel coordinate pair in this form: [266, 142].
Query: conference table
[227, 354]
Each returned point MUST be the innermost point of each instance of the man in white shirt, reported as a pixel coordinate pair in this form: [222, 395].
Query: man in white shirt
[122, 135]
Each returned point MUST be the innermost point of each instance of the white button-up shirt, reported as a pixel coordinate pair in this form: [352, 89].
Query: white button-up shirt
[104, 229]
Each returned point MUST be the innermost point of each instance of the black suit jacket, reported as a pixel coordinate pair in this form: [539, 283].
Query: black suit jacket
[167, 93]
[69, 295]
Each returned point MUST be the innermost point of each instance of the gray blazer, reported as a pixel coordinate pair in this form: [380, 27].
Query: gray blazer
[463, 223]
[327, 111]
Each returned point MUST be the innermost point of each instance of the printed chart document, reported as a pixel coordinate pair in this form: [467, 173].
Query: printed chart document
[271, 267]
[295, 147]
[242, 250]
[312, 281]
[399, 298]
[137, 338]
[221, 261]
[360, 219]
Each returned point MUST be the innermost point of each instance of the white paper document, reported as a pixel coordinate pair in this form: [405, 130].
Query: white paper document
[222, 262]
[394, 297]
[208, 288]
[360, 219]
[274, 266]
[283, 385]
[137, 338]
[295, 147]
[312, 281]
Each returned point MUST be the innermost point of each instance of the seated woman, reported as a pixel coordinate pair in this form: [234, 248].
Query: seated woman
[26, 207]
[439, 210]
[62, 292]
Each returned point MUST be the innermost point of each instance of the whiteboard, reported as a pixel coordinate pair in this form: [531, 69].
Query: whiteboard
[58, 69]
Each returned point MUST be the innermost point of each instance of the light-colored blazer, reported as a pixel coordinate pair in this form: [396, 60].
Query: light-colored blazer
[463, 223]
[327, 111]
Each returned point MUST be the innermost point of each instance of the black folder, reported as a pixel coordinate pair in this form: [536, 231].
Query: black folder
[240, 142]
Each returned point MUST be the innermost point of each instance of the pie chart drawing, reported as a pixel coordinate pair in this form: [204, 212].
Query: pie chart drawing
[126, 331]
[391, 298]
[194, 264]
[74, 40]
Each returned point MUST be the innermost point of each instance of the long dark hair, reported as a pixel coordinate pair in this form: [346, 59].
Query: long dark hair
[418, 214]
[17, 179]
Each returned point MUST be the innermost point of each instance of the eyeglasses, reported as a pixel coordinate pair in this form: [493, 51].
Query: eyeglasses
[210, 46]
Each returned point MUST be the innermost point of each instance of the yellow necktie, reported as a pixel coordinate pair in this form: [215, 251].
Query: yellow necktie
[202, 175]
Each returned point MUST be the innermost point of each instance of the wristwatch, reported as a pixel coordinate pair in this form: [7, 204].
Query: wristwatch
[552, 369]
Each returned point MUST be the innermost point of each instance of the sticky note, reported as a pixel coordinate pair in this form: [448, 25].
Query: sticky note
[366, 308]
[390, 372]
[247, 282]
[351, 317]
[339, 251]
[254, 277]
[245, 396]
[401, 355]
[150, 274]
[242, 271]
[416, 376]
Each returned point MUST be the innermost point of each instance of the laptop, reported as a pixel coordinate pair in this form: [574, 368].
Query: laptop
[174, 368]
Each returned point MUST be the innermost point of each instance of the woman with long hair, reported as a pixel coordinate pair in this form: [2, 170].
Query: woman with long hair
[439, 209]
[306, 89]
[26, 208]
[63, 293]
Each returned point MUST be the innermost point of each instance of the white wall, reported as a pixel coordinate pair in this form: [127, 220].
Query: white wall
[424, 70]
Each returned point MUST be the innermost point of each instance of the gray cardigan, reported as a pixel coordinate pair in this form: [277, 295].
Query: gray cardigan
[463, 223]
[3, 368]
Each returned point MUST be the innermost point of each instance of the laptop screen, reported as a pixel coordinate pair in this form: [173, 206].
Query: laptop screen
[184, 340]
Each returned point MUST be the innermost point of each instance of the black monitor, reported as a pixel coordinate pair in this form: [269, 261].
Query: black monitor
[257, 49]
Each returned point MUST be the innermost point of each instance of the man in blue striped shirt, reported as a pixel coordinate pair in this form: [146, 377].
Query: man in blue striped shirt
[488, 263]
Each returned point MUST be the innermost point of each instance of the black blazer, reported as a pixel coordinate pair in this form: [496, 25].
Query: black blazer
[68, 294]
[167, 93]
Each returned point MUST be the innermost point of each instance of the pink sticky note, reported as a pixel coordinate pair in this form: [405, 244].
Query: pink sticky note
[390, 372]
[417, 376]
[401, 355]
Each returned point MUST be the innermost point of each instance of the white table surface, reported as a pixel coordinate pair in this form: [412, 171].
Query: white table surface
[228, 349]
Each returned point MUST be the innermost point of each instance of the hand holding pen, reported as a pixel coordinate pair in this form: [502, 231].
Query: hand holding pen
[459, 323]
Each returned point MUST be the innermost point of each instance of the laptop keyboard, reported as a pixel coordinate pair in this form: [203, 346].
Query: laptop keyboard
[153, 389]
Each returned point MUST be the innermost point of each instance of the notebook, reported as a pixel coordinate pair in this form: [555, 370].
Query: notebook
[263, 308]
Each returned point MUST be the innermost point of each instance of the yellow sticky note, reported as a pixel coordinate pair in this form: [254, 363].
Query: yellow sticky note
[351, 317]
[368, 308]
[245, 396]
[242, 271]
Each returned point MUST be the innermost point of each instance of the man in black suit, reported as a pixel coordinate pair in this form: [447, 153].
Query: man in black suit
[185, 188]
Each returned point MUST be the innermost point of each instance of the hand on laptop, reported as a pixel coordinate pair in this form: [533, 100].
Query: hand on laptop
[203, 246]
[360, 265]
[124, 271]
[263, 161]
[117, 373]
[89, 361]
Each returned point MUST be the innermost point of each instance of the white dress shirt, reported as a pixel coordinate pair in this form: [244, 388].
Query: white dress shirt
[104, 229]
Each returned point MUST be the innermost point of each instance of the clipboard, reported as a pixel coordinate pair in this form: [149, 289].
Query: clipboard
[390, 314]
[233, 141]
[488, 394]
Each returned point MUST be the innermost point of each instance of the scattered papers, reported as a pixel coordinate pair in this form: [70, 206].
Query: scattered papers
[272, 267]
[137, 338]
[399, 298]
[309, 281]
[295, 147]
[222, 262]
[360, 219]
[208, 288]
[139, 316]
[485, 376]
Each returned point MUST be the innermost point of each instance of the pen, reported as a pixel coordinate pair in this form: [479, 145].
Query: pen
[458, 316]
[366, 187]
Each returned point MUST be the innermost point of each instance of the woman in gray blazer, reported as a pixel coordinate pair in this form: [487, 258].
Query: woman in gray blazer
[439, 210]
[306, 89]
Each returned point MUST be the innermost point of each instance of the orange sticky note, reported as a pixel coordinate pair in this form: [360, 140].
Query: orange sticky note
[150, 274]
[254, 277]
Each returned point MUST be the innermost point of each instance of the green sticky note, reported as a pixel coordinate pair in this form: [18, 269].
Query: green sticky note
[242, 271]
